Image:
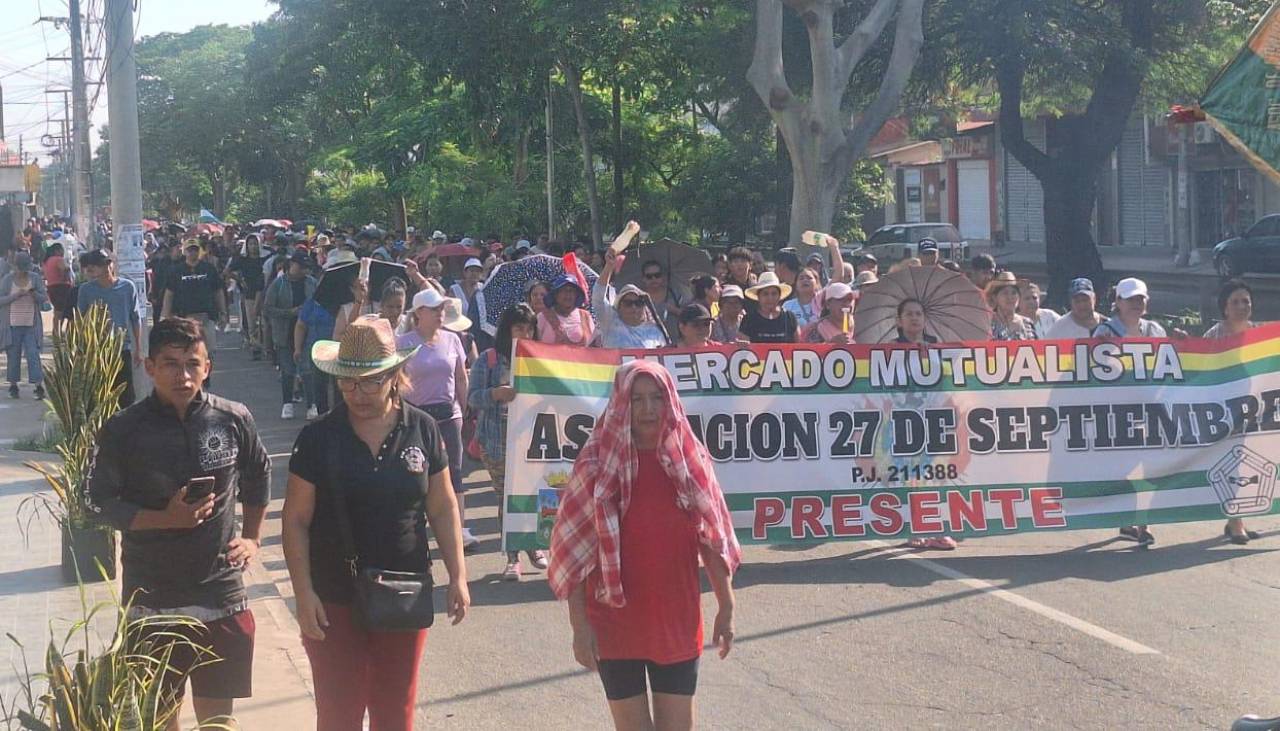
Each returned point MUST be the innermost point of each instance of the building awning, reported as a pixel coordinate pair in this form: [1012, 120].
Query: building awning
[928, 152]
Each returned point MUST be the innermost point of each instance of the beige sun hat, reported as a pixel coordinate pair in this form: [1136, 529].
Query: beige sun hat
[367, 348]
[451, 314]
[766, 280]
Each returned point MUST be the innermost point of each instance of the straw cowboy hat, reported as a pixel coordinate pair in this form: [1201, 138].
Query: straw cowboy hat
[1001, 281]
[451, 317]
[766, 280]
[367, 348]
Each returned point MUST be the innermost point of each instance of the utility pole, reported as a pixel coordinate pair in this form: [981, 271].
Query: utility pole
[1, 112]
[125, 151]
[551, 167]
[81, 156]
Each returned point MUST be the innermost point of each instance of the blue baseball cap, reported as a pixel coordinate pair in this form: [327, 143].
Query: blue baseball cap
[1081, 285]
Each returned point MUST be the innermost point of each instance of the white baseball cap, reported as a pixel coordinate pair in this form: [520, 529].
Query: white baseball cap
[1131, 287]
[731, 290]
[428, 297]
[473, 262]
[438, 234]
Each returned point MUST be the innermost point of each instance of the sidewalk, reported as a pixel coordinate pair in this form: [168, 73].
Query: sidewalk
[34, 600]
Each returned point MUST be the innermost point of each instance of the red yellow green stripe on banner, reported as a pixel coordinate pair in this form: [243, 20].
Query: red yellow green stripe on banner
[554, 370]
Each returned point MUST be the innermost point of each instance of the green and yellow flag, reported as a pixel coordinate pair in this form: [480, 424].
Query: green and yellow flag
[1243, 102]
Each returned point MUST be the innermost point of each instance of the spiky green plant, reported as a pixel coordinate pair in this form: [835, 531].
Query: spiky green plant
[118, 685]
[82, 394]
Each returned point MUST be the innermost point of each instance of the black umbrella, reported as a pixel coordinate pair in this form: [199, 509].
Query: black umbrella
[334, 289]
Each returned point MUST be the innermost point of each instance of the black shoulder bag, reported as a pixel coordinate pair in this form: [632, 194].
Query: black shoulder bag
[385, 601]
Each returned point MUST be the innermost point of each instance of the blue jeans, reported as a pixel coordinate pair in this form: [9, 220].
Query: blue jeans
[315, 384]
[288, 372]
[24, 341]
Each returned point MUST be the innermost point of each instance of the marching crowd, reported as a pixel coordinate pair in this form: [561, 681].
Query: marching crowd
[398, 351]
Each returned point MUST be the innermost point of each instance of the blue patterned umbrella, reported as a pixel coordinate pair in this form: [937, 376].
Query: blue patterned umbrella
[508, 281]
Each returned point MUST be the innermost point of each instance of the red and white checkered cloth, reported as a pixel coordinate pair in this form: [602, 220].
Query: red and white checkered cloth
[588, 528]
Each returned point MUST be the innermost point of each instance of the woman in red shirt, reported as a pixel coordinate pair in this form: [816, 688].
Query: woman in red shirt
[57, 278]
[642, 506]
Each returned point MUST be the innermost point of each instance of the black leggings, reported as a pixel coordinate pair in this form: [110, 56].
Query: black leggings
[626, 678]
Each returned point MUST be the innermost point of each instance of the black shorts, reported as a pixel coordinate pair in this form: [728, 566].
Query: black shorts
[626, 678]
[229, 639]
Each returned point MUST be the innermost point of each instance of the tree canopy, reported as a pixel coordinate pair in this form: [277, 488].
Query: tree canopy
[373, 110]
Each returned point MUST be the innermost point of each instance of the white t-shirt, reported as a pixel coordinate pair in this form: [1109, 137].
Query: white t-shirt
[1066, 328]
[1044, 320]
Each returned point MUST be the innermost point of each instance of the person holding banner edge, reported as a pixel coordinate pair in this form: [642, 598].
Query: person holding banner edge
[489, 393]
[1235, 304]
[641, 507]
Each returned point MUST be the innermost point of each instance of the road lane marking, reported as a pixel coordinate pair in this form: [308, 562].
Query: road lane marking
[1075, 623]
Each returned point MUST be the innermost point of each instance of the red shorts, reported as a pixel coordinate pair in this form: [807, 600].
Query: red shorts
[229, 639]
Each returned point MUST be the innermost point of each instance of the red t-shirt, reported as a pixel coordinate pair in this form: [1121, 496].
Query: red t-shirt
[53, 273]
[662, 620]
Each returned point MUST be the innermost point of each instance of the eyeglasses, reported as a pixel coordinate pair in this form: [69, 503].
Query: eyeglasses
[367, 386]
[653, 275]
[631, 302]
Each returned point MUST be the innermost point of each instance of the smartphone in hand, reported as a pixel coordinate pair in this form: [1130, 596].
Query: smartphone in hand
[198, 488]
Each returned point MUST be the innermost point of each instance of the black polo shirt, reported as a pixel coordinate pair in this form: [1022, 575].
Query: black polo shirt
[386, 496]
[145, 455]
[194, 288]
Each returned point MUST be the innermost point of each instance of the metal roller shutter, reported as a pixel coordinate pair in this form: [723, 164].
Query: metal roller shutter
[1024, 202]
[974, 179]
[1143, 191]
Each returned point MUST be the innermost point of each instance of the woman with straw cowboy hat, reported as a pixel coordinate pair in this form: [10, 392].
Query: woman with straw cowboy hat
[438, 378]
[364, 483]
[1002, 295]
[769, 323]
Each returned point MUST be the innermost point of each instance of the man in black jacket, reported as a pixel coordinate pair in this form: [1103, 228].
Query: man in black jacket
[168, 473]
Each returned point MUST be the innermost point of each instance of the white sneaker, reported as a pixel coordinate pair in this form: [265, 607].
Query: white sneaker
[469, 542]
[313, 413]
[287, 411]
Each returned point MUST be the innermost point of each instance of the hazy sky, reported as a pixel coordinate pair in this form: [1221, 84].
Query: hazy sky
[24, 44]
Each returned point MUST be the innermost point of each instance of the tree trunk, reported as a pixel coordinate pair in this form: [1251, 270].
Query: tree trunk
[573, 75]
[402, 208]
[813, 199]
[1070, 250]
[520, 168]
[822, 140]
[219, 187]
[619, 167]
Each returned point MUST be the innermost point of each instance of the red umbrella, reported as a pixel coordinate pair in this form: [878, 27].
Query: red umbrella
[149, 225]
[448, 250]
[207, 228]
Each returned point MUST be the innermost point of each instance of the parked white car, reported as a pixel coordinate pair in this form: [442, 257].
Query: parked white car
[898, 241]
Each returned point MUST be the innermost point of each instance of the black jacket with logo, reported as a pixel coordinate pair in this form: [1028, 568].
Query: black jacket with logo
[145, 455]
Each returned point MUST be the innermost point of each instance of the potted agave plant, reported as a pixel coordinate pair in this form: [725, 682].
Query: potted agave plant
[88, 684]
[82, 394]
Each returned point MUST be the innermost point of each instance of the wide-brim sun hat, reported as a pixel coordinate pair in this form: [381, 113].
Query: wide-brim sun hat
[767, 280]
[368, 348]
[339, 258]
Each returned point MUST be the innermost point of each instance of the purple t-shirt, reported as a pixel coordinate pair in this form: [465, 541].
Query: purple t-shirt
[431, 372]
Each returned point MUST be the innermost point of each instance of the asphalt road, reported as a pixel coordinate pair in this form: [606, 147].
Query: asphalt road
[1066, 630]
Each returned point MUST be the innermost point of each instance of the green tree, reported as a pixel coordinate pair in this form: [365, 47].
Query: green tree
[1085, 67]
[191, 114]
